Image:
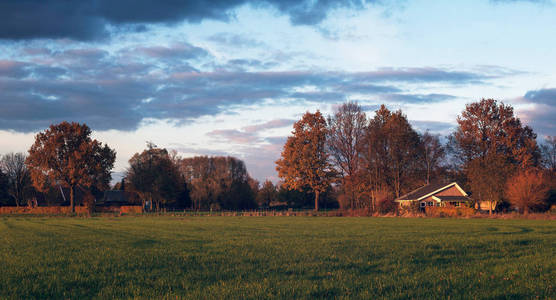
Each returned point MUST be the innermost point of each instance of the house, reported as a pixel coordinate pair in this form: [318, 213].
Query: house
[436, 194]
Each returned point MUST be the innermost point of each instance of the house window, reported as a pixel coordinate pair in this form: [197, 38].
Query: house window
[423, 204]
[437, 203]
[457, 204]
[430, 203]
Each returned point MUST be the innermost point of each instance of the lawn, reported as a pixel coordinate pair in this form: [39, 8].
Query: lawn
[276, 257]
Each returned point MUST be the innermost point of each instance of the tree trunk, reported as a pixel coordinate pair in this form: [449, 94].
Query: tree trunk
[317, 193]
[72, 196]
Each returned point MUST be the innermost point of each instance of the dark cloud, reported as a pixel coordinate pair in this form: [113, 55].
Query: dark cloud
[542, 116]
[544, 96]
[88, 20]
[13, 69]
[426, 75]
[180, 51]
[122, 89]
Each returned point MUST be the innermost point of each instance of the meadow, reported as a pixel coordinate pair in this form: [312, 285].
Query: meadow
[276, 257]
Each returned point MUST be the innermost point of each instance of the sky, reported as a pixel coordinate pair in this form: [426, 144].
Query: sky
[231, 77]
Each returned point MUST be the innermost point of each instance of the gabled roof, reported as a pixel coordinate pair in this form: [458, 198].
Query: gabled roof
[428, 190]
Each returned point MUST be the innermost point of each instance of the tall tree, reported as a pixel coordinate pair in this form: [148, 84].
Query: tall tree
[13, 165]
[491, 143]
[65, 154]
[346, 131]
[154, 176]
[433, 154]
[390, 153]
[304, 160]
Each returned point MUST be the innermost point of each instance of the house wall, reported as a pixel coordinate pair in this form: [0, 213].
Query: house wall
[428, 199]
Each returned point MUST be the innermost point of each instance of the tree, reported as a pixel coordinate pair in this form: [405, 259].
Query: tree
[548, 150]
[66, 155]
[390, 154]
[433, 154]
[13, 165]
[527, 189]
[491, 143]
[304, 160]
[4, 195]
[346, 131]
[154, 176]
[218, 182]
[267, 194]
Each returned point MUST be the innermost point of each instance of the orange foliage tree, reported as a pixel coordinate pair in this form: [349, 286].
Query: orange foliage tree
[304, 161]
[526, 190]
[65, 154]
[491, 143]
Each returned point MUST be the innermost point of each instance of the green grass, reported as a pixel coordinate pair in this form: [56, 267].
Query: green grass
[276, 257]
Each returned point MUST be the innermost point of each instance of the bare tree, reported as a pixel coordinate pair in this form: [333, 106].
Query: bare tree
[548, 151]
[433, 154]
[345, 138]
[13, 165]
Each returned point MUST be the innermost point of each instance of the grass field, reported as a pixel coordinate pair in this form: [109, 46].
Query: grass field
[276, 257]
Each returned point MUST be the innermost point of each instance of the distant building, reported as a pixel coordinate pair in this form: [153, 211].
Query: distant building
[436, 194]
[113, 198]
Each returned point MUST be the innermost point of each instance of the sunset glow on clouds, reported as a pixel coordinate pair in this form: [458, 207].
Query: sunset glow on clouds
[231, 77]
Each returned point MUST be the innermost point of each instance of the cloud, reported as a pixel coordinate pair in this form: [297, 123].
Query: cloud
[250, 134]
[235, 40]
[13, 69]
[433, 126]
[234, 136]
[120, 89]
[180, 51]
[416, 98]
[543, 113]
[89, 20]
[277, 123]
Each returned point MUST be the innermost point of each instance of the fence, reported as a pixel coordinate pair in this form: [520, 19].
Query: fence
[42, 210]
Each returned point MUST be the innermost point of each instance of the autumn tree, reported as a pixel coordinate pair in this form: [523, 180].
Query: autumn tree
[154, 176]
[19, 179]
[304, 159]
[65, 154]
[390, 154]
[346, 131]
[491, 143]
[526, 190]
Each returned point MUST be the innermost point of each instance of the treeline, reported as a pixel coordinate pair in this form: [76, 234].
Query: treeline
[370, 161]
[348, 160]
